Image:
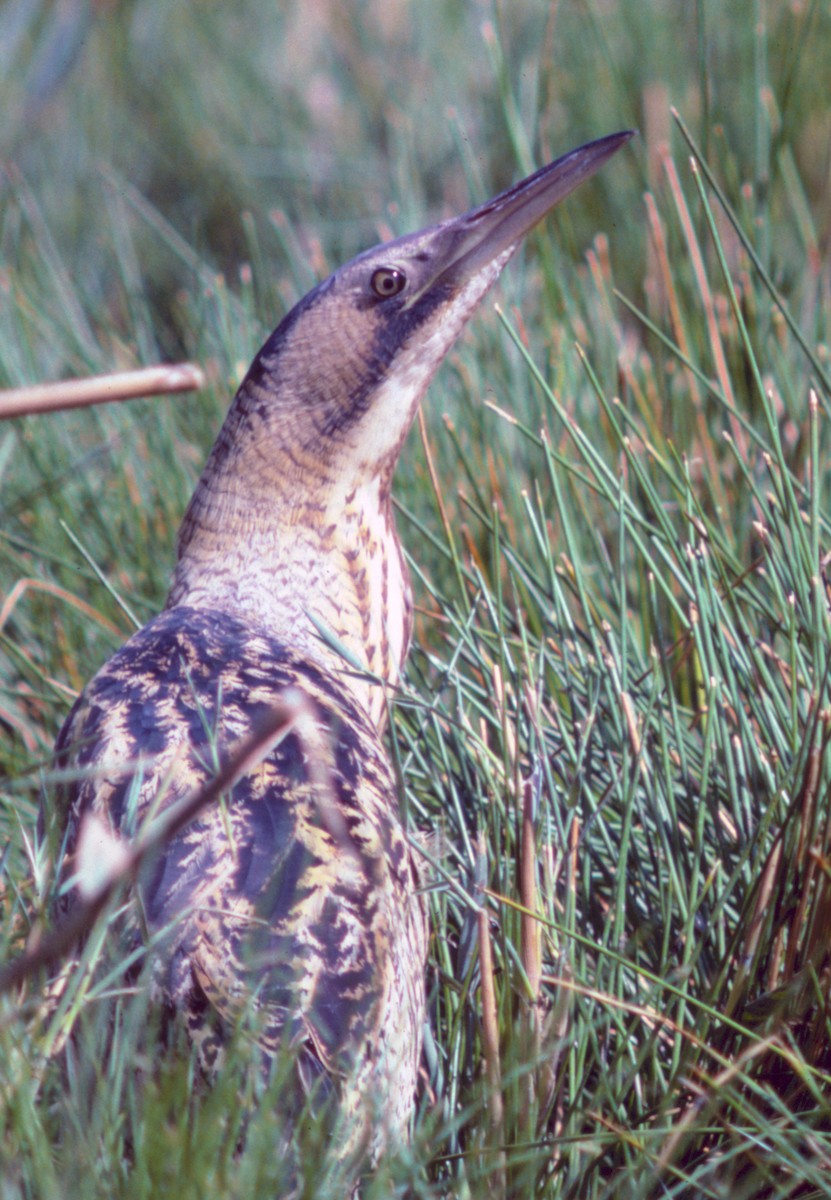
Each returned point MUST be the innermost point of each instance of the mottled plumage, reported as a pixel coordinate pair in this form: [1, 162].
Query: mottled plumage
[271, 899]
[298, 896]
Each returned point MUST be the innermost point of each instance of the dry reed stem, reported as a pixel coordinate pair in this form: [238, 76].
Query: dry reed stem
[53, 589]
[490, 1033]
[101, 389]
[703, 284]
[531, 934]
[431, 470]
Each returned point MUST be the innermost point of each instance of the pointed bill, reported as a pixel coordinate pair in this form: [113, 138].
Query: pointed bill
[499, 224]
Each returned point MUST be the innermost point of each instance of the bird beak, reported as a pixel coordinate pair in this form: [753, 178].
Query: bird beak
[486, 232]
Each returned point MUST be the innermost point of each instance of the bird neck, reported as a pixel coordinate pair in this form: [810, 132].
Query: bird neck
[275, 539]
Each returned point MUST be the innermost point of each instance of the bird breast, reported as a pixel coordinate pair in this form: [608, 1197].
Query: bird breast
[321, 576]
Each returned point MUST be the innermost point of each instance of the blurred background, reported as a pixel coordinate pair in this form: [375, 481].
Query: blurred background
[352, 120]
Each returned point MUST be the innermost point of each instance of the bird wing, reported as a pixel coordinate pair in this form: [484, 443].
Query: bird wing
[266, 903]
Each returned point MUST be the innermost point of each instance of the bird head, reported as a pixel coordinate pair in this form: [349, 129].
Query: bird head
[291, 524]
[332, 393]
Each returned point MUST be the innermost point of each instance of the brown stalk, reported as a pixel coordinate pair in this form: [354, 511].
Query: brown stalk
[634, 733]
[431, 470]
[806, 864]
[532, 1013]
[531, 937]
[53, 589]
[658, 245]
[490, 1031]
[767, 884]
[706, 294]
[101, 389]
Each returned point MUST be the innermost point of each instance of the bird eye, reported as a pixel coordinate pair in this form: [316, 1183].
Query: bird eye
[388, 281]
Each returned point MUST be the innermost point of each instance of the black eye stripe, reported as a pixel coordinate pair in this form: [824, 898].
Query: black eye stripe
[388, 281]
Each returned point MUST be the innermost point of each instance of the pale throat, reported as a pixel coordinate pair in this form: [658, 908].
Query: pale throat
[298, 538]
[331, 570]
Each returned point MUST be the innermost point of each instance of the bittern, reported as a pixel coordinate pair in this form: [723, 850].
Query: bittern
[287, 558]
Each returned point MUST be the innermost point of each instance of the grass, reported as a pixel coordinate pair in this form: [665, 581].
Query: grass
[613, 739]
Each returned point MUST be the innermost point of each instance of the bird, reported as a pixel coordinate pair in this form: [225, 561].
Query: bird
[298, 894]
